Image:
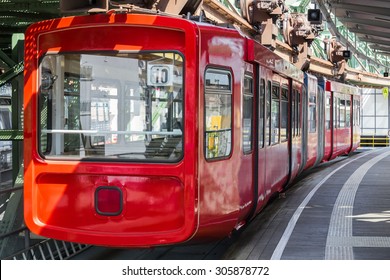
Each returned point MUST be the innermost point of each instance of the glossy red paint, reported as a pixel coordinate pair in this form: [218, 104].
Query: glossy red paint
[345, 132]
[159, 200]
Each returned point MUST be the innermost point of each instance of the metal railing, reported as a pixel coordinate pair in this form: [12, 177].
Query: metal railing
[374, 141]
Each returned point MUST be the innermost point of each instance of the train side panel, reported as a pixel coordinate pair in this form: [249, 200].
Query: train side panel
[225, 171]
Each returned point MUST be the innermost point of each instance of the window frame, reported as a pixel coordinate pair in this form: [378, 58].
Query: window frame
[247, 77]
[275, 137]
[228, 92]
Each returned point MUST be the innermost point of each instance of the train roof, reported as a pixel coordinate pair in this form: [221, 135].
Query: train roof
[256, 52]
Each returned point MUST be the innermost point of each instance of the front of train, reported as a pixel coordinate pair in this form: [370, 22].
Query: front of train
[110, 129]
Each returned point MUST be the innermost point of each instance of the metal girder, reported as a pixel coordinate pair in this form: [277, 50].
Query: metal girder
[377, 41]
[29, 6]
[6, 135]
[5, 58]
[370, 32]
[11, 73]
[381, 24]
[381, 48]
[362, 8]
[326, 68]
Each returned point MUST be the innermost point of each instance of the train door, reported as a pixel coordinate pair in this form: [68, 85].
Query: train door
[310, 116]
[295, 141]
[321, 124]
[355, 121]
[348, 123]
[328, 125]
[277, 153]
[263, 124]
[248, 187]
[336, 122]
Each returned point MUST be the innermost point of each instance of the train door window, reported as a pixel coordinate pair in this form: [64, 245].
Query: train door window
[284, 114]
[312, 112]
[327, 111]
[299, 115]
[275, 114]
[261, 113]
[335, 111]
[356, 114]
[111, 106]
[218, 113]
[295, 112]
[268, 97]
[342, 111]
[348, 112]
[247, 113]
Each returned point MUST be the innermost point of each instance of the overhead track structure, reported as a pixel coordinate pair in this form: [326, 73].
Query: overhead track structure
[269, 21]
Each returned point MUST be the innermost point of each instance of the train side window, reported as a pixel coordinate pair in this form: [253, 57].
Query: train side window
[261, 113]
[275, 114]
[327, 111]
[218, 113]
[247, 114]
[335, 111]
[299, 114]
[342, 112]
[284, 115]
[268, 114]
[312, 112]
[294, 115]
[356, 113]
[347, 113]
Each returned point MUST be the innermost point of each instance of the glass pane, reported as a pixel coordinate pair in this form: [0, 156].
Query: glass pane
[312, 112]
[275, 115]
[381, 105]
[348, 113]
[284, 115]
[261, 113]
[368, 104]
[247, 113]
[112, 106]
[218, 113]
[369, 122]
[268, 114]
[382, 122]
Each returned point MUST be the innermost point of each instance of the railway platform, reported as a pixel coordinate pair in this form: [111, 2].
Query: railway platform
[337, 211]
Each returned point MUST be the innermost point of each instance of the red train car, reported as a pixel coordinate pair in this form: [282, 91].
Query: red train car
[342, 118]
[142, 130]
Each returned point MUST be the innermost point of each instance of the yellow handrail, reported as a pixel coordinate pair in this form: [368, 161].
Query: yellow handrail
[374, 141]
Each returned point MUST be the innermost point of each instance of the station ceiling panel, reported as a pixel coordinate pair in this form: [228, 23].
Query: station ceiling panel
[370, 20]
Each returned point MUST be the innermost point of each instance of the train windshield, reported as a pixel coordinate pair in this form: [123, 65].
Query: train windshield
[111, 106]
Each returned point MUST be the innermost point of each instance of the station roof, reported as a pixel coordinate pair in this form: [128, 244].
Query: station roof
[17, 15]
[368, 19]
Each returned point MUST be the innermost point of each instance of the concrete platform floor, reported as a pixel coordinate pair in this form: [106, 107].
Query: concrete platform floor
[338, 211]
